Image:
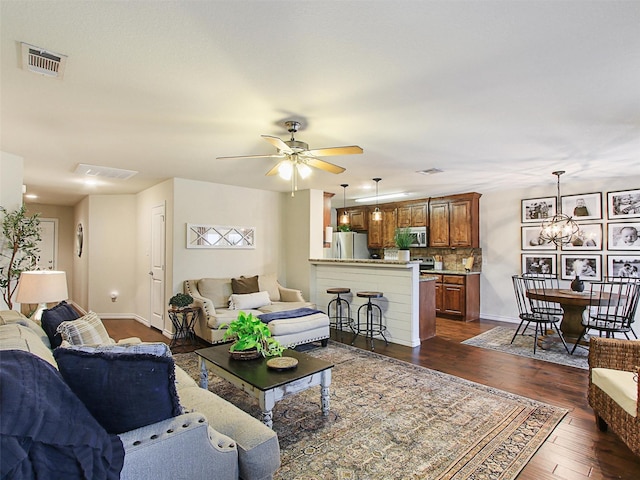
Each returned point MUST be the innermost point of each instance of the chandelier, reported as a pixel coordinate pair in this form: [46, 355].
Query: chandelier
[561, 228]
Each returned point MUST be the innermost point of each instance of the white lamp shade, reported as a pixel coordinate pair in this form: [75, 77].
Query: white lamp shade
[42, 286]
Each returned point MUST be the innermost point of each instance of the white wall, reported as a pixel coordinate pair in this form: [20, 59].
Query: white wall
[11, 178]
[110, 238]
[500, 222]
[215, 204]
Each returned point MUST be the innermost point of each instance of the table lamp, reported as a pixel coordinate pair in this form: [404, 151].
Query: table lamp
[41, 287]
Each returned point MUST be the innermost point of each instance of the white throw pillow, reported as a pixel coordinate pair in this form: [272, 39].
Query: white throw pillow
[248, 301]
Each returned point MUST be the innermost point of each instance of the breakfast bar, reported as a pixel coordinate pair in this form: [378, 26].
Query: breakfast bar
[407, 304]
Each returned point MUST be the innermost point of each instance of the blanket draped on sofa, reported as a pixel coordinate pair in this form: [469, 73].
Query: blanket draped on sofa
[297, 313]
[46, 431]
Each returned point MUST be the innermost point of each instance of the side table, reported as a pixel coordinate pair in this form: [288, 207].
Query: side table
[183, 320]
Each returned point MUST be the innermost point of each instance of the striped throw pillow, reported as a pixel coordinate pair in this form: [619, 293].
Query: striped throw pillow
[87, 330]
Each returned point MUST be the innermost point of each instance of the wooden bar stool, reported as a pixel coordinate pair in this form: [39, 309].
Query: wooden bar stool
[373, 318]
[340, 306]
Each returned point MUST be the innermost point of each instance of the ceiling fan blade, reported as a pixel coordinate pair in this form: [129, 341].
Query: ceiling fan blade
[327, 152]
[278, 143]
[274, 170]
[251, 156]
[322, 165]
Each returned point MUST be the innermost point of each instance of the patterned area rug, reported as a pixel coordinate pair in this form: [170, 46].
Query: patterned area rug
[499, 338]
[391, 419]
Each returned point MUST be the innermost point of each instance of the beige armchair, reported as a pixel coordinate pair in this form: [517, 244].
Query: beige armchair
[613, 391]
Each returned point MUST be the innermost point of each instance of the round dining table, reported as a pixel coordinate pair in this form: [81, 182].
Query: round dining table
[573, 305]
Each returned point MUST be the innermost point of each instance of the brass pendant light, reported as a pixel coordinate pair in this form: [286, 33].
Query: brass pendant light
[344, 218]
[377, 214]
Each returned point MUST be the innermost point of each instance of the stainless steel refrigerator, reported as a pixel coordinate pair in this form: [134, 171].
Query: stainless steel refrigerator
[349, 245]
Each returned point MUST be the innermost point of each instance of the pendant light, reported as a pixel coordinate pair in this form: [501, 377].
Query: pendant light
[344, 218]
[561, 228]
[377, 214]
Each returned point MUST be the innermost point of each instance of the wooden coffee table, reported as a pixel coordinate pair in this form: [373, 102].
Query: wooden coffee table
[263, 383]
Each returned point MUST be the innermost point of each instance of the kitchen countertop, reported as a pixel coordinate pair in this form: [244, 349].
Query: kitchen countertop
[451, 272]
[363, 261]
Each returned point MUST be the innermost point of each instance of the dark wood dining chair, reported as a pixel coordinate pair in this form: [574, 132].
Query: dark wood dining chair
[541, 320]
[612, 309]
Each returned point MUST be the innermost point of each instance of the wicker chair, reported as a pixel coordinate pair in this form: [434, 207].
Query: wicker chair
[615, 354]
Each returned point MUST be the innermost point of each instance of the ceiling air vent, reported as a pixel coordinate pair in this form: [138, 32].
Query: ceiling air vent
[43, 62]
[429, 171]
[105, 172]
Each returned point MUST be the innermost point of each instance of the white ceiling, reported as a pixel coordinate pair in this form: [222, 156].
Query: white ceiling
[498, 94]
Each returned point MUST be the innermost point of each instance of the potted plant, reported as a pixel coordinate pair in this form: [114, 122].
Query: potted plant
[180, 300]
[18, 249]
[403, 240]
[253, 338]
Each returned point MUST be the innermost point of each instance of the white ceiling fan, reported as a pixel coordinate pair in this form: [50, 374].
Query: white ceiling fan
[297, 158]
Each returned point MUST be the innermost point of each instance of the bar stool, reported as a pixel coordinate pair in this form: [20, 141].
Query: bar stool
[372, 313]
[339, 306]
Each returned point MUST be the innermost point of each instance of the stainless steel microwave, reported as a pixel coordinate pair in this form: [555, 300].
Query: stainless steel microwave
[418, 236]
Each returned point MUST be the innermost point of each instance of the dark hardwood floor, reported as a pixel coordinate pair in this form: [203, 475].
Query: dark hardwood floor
[575, 450]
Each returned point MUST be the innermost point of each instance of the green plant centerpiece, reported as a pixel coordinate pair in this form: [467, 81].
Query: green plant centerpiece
[180, 300]
[344, 228]
[18, 248]
[251, 334]
[403, 238]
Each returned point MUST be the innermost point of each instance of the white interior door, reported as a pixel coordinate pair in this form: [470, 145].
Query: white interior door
[156, 273]
[48, 244]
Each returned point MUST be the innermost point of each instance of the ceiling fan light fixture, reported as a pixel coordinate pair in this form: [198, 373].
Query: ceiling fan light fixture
[285, 170]
[303, 170]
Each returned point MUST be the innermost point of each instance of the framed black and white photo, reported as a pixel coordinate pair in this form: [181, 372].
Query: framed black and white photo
[543, 263]
[623, 204]
[587, 267]
[589, 237]
[623, 236]
[586, 206]
[532, 240]
[627, 266]
[538, 209]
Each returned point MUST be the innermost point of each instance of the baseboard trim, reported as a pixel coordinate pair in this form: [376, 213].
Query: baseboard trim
[499, 318]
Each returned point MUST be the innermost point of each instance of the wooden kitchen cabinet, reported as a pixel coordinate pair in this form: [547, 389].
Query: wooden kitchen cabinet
[455, 221]
[412, 216]
[458, 296]
[374, 239]
[389, 225]
[357, 218]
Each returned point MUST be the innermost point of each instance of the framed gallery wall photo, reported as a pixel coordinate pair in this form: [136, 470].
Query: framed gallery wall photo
[586, 206]
[627, 266]
[539, 263]
[538, 209]
[623, 236]
[586, 266]
[623, 204]
[589, 237]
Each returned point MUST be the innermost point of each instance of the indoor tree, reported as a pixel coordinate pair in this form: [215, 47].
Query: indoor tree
[19, 248]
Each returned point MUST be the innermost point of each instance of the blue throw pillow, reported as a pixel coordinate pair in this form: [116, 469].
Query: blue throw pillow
[122, 391]
[53, 317]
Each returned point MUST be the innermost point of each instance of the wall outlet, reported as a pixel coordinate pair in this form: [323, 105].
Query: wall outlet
[464, 262]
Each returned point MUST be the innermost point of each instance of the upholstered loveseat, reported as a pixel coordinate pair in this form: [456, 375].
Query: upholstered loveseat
[213, 439]
[220, 299]
[614, 365]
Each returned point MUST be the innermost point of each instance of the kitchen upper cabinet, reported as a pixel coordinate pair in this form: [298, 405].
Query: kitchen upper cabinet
[412, 216]
[374, 239]
[389, 225]
[382, 233]
[454, 221]
[357, 218]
